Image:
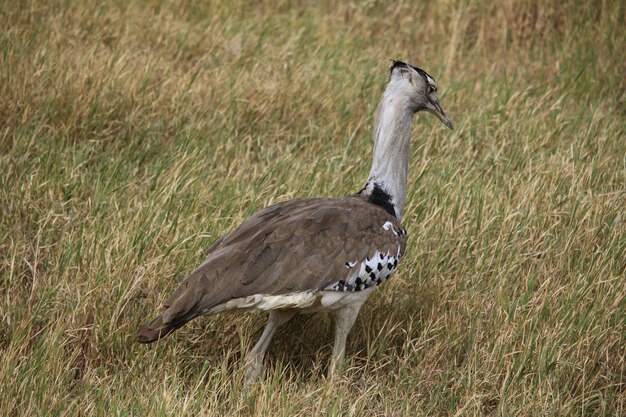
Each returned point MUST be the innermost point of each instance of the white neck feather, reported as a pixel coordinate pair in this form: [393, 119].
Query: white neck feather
[392, 135]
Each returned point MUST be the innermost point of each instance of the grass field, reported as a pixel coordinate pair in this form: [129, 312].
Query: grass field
[133, 134]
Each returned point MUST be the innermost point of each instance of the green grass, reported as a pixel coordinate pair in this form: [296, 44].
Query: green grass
[133, 134]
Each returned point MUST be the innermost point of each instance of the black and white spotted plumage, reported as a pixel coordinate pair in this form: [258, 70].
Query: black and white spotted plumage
[374, 269]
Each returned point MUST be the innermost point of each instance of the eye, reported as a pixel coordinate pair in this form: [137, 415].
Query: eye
[432, 88]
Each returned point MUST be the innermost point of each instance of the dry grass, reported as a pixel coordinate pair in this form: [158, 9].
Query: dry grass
[133, 134]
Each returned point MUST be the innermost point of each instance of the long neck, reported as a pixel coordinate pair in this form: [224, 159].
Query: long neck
[392, 134]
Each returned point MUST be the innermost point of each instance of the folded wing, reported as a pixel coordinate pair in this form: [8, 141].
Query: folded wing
[292, 247]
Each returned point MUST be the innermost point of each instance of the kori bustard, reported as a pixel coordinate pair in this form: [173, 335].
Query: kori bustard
[318, 254]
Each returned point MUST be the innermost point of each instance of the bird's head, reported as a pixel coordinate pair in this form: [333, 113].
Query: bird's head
[418, 89]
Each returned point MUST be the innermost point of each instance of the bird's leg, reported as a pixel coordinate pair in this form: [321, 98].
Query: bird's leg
[254, 358]
[344, 320]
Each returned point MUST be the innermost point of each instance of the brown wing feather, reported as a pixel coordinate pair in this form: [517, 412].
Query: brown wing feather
[299, 245]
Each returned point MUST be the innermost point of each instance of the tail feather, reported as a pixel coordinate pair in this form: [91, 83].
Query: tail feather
[156, 329]
[175, 315]
[186, 303]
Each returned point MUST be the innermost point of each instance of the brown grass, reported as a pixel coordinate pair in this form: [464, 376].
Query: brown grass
[132, 134]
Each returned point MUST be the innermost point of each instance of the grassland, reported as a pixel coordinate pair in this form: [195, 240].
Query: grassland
[133, 134]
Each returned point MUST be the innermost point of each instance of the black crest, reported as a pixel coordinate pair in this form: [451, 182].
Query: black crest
[399, 64]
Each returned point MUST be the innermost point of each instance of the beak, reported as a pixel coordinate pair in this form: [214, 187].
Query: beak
[435, 108]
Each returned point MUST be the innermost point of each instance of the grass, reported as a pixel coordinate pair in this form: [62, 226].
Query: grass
[133, 134]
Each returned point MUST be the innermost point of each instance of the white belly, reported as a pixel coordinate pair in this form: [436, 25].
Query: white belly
[307, 302]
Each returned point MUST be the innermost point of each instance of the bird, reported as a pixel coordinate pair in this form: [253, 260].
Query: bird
[313, 254]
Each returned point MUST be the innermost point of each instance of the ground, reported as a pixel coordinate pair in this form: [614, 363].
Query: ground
[133, 134]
